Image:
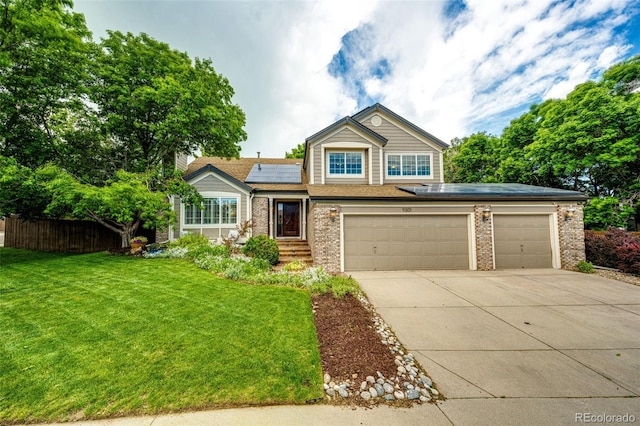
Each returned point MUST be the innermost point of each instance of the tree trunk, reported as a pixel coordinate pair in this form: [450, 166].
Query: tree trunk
[126, 239]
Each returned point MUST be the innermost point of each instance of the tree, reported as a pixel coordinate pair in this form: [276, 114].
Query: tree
[297, 152]
[22, 192]
[43, 63]
[154, 101]
[125, 203]
[590, 140]
[473, 159]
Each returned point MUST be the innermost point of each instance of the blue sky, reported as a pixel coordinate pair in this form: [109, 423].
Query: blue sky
[451, 67]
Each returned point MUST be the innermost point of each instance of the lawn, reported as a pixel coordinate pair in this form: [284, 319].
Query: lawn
[91, 336]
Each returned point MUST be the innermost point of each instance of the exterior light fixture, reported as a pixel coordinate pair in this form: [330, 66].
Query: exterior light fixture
[569, 214]
[333, 212]
[486, 214]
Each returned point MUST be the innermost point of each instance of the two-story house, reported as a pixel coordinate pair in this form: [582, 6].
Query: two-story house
[369, 195]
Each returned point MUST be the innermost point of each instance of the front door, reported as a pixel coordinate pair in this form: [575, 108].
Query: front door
[288, 219]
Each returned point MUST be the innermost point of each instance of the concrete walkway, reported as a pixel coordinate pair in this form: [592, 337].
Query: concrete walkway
[518, 347]
[532, 347]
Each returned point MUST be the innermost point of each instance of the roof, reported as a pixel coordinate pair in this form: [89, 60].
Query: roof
[238, 170]
[343, 122]
[348, 121]
[443, 192]
[274, 173]
[343, 192]
[381, 108]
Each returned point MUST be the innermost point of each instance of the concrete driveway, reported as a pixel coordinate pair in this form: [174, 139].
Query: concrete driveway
[518, 347]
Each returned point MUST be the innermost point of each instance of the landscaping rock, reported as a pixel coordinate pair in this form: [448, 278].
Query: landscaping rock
[413, 394]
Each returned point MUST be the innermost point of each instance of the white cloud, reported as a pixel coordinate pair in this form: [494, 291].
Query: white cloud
[451, 77]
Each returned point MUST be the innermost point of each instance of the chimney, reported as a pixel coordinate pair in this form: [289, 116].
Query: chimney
[259, 166]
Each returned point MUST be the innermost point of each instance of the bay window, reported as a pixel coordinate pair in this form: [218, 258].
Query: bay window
[217, 211]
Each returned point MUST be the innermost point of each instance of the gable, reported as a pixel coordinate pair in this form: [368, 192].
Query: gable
[210, 181]
[392, 126]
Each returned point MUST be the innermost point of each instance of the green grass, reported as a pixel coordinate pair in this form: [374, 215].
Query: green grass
[91, 336]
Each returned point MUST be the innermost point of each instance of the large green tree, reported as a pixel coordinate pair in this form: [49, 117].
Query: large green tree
[472, 159]
[589, 141]
[154, 101]
[123, 205]
[43, 72]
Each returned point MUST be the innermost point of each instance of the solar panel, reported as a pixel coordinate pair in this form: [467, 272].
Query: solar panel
[274, 173]
[484, 189]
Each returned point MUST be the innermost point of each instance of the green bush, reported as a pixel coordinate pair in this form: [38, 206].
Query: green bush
[585, 267]
[262, 247]
[190, 240]
[196, 246]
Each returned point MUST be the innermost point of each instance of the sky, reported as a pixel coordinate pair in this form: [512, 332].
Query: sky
[451, 67]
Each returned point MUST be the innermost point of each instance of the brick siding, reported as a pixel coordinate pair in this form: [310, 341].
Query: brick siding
[324, 237]
[484, 239]
[571, 235]
[260, 213]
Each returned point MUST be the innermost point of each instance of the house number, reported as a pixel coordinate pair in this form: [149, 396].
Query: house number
[406, 209]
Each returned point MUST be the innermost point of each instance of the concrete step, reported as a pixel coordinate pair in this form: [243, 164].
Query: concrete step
[291, 250]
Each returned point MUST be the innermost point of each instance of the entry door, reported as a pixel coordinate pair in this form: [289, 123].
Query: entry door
[288, 219]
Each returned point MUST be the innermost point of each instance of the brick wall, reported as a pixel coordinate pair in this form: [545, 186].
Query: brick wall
[571, 235]
[324, 237]
[484, 239]
[260, 213]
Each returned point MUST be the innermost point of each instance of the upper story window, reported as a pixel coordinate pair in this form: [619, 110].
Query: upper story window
[408, 165]
[345, 163]
[217, 211]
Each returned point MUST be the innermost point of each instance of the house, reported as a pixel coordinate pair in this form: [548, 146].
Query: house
[369, 195]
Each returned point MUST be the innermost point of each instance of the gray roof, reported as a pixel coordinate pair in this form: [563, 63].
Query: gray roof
[491, 191]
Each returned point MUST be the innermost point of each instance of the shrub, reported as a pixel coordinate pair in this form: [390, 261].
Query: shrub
[190, 240]
[262, 247]
[585, 267]
[295, 265]
[614, 248]
[629, 257]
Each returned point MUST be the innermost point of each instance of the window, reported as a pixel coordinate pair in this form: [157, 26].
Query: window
[408, 165]
[345, 163]
[217, 211]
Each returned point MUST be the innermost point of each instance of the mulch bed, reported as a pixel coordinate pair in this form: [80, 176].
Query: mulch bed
[350, 347]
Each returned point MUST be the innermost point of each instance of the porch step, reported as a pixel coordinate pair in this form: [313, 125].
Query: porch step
[291, 250]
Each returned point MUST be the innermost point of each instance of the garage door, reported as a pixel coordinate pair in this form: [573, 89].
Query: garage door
[522, 241]
[388, 243]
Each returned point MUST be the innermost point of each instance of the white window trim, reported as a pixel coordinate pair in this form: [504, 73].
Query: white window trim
[344, 175]
[234, 195]
[411, 177]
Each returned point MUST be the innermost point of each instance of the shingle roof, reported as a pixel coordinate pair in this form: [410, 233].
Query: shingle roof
[238, 169]
[443, 192]
[357, 191]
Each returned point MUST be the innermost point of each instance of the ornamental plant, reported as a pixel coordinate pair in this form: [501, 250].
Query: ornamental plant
[139, 240]
[262, 247]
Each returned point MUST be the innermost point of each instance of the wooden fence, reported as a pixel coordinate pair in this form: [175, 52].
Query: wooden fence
[70, 236]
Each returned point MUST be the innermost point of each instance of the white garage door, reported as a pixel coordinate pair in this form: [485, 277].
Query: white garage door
[388, 243]
[522, 241]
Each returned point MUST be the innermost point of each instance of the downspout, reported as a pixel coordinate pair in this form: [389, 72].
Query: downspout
[250, 208]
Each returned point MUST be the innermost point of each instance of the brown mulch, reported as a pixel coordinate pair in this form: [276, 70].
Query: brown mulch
[349, 343]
